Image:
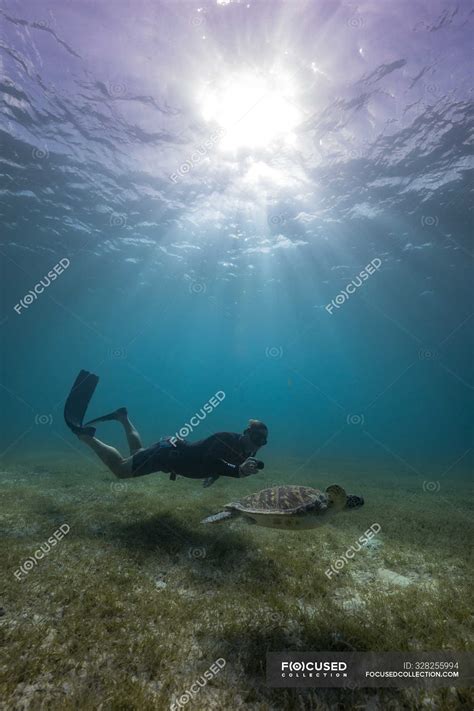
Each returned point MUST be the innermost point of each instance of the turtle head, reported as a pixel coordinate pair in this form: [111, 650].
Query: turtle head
[354, 502]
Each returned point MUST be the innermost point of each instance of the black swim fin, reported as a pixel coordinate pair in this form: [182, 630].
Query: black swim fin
[115, 415]
[78, 401]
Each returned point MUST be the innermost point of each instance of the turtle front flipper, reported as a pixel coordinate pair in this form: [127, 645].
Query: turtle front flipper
[337, 496]
[216, 518]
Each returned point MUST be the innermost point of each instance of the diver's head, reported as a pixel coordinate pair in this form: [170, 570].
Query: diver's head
[255, 435]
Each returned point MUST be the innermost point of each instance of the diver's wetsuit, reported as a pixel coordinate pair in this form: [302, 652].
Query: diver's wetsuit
[217, 455]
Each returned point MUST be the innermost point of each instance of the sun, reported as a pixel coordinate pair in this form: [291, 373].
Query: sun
[253, 110]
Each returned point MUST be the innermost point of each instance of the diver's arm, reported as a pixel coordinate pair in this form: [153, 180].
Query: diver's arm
[222, 468]
[219, 467]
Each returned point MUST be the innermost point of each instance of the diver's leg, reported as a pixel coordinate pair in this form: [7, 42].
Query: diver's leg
[121, 415]
[133, 438]
[122, 468]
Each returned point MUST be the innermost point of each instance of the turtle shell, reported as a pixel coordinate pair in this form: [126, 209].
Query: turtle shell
[282, 500]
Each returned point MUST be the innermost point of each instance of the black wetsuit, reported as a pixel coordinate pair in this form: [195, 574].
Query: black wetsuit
[217, 455]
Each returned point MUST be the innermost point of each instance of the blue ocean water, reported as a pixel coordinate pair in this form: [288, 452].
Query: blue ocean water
[194, 268]
[233, 210]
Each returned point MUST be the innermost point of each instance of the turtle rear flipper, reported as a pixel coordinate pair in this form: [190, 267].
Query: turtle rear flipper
[216, 518]
[337, 496]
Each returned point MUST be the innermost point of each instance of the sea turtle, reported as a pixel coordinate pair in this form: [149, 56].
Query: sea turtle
[290, 507]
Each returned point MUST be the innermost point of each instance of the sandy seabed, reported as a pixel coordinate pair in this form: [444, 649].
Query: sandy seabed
[136, 599]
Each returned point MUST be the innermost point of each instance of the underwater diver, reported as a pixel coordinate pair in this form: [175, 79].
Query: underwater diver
[221, 454]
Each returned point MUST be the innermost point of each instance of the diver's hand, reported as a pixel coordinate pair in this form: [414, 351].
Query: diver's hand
[248, 467]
